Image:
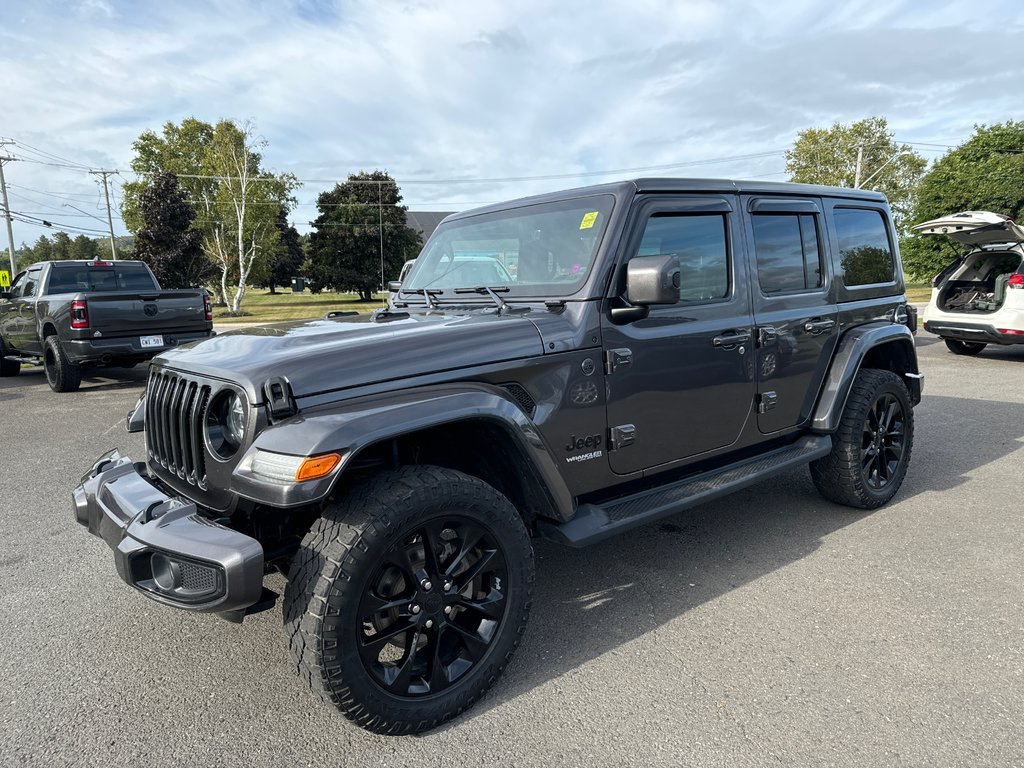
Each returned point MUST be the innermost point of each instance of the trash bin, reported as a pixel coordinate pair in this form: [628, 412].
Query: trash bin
[298, 284]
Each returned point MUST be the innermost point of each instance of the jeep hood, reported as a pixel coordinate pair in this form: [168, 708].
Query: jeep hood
[974, 228]
[323, 355]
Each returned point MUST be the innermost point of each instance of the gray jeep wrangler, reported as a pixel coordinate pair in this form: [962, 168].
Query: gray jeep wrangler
[568, 366]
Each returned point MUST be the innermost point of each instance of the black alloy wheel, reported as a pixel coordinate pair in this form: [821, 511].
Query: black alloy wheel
[882, 443]
[872, 446]
[408, 597]
[434, 606]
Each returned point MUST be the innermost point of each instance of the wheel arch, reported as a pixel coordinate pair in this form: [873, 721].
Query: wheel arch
[473, 428]
[885, 346]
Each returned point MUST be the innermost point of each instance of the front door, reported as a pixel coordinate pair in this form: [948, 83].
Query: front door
[794, 309]
[680, 382]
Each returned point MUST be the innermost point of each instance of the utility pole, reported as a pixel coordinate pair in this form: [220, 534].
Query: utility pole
[860, 162]
[380, 229]
[7, 209]
[110, 221]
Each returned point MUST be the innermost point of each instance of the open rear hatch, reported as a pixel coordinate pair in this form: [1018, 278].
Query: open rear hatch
[978, 281]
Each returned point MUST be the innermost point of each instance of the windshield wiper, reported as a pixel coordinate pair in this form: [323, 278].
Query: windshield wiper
[492, 291]
[426, 293]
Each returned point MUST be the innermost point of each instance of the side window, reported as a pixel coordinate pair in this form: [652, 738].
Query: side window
[31, 282]
[18, 286]
[699, 242]
[864, 249]
[788, 252]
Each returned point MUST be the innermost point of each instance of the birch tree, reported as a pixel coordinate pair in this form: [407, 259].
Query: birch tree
[238, 202]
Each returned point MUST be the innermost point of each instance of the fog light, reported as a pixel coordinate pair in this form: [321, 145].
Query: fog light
[166, 572]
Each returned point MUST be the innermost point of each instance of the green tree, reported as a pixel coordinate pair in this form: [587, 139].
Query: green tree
[166, 240]
[829, 156]
[220, 169]
[61, 247]
[985, 173]
[288, 256]
[85, 248]
[347, 238]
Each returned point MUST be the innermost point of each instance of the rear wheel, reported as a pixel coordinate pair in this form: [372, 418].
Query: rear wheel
[61, 374]
[958, 347]
[8, 367]
[407, 599]
[871, 449]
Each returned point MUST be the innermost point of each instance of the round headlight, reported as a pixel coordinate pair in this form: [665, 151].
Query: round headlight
[236, 419]
[225, 424]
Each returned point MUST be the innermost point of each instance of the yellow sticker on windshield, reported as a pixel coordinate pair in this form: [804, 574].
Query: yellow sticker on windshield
[588, 220]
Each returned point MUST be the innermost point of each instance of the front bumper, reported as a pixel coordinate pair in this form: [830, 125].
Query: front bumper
[163, 546]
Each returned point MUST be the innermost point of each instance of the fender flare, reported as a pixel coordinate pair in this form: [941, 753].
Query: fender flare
[347, 428]
[853, 347]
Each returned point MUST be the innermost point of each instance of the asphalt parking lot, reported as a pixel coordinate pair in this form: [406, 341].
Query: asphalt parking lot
[771, 627]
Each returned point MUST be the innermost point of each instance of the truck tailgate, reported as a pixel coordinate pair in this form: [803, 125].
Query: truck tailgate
[133, 314]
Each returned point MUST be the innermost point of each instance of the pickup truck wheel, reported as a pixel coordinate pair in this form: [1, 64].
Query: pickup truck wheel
[61, 374]
[871, 449]
[958, 347]
[408, 597]
[8, 367]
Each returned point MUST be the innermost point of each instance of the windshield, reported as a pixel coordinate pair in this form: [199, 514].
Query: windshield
[537, 250]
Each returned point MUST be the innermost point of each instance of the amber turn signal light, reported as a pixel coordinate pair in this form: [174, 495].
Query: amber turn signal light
[315, 467]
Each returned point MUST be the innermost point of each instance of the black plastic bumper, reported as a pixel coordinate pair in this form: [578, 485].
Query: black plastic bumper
[163, 546]
[93, 349]
[980, 332]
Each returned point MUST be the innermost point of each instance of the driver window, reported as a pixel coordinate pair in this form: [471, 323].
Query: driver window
[19, 285]
[698, 241]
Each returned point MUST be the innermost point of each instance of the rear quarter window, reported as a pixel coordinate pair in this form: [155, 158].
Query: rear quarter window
[865, 253]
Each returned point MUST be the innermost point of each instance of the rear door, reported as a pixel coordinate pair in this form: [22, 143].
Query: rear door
[680, 381]
[21, 327]
[794, 309]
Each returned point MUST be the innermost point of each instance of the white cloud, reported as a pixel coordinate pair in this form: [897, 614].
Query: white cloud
[445, 90]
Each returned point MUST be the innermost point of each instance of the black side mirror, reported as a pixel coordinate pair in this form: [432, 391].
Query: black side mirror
[652, 280]
[394, 286]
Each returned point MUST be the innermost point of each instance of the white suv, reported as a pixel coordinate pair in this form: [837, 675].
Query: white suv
[979, 298]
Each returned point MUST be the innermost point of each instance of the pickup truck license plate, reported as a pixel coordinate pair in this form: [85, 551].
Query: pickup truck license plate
[151, 341]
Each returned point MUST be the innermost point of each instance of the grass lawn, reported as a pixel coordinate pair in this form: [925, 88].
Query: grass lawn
[919, 293]
[264, 307]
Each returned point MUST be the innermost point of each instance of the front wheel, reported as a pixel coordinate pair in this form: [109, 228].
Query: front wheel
[871, 449]
[8, 367]
[408, 597]
[958, 347]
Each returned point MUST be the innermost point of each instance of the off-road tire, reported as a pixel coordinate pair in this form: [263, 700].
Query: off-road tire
[958, 347]
[8, 367]
[61, 374]
[840, 476]
[337, 562]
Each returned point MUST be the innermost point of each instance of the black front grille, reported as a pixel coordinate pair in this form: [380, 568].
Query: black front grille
[175, 412]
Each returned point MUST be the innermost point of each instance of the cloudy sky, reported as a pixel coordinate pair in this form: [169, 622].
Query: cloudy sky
[473, 102]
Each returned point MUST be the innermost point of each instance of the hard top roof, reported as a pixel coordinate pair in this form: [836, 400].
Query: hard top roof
[668, 185]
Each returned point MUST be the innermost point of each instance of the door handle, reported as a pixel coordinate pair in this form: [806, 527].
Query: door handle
[727, 340]
[816, 327]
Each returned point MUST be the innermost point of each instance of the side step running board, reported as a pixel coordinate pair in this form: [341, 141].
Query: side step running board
[593, 523]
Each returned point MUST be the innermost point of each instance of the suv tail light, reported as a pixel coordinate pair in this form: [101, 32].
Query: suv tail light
[207, 307]
[79, 313]
[1016, 281]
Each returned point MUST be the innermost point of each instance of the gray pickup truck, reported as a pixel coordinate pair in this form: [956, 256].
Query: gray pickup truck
[68, 315]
